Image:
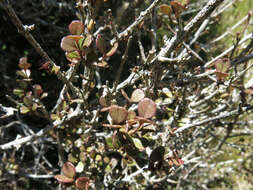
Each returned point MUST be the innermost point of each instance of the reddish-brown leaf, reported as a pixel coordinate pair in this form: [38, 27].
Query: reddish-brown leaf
[64, 179]
[70, 42]
[69, 170]
[82, 183]
[118, 114]
[76, 27]
[146, 108]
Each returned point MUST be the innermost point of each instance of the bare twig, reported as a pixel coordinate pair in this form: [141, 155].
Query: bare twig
[142, 16]
[171, 44]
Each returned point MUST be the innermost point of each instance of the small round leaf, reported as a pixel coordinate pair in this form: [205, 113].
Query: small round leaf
[137, 95]
[69, 170]
[76, 27]
[70, 42]
[82, 183]
[118, 114]
[146, 108]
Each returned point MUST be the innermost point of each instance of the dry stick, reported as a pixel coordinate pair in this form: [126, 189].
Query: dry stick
[171, 45]
[249, 36]
[142, 16]
[224, 7]
[221, 116]
[230, 29]
[76, 114]
[24, 30]
[143, 57]
[193, 52]
[24, 140]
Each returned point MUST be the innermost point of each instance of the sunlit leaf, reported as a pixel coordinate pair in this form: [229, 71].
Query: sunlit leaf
[138, 144]
[55, 69]
[118, 114]
[18, 92]
[112, 143]
[137, 95]
[76, 27]
[184, 3]
[79, 167]
[63, 179]
[146, 108]
[68, 169]
[24, 73]
[220, 75]
[27, 100]
[91, 25]
[34, 107]
[24, 109]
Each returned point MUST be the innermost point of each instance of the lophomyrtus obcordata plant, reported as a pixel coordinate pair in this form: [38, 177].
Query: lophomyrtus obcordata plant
[68, 177]
[79, 46]
[31, 95]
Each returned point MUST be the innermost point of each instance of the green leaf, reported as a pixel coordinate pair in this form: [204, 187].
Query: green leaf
[27, 100]
[55, 69]
[112, 145]
[73, 57]
[24, 110]
[79, 167]
[138, 144]
[18, 92]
